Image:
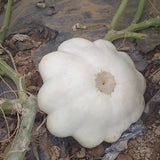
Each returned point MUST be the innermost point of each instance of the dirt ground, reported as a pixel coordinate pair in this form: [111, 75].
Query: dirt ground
[28, 42]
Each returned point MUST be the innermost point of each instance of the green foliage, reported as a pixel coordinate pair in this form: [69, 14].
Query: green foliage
[129, 32]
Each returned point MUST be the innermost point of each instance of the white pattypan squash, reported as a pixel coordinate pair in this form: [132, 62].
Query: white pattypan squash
[91, 91]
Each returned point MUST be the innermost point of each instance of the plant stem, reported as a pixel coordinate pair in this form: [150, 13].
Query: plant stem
[143, 25]
[130, 31]
[6, 21]
[29, 109]
[139, 11]
[22, 140]
[113, 35]
[8, 106]
[17, 79]
[118, 13]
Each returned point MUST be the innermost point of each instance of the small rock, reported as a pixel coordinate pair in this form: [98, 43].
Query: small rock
[78, 26]
[41, 5]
